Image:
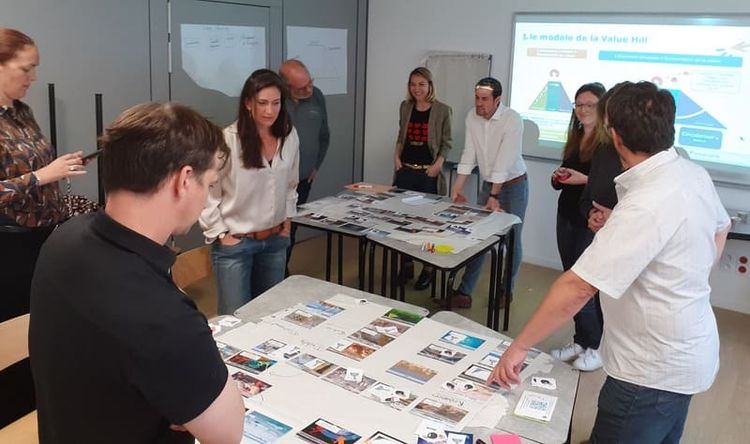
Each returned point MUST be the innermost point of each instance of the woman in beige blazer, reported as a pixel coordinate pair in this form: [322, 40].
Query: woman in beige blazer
[424, 138]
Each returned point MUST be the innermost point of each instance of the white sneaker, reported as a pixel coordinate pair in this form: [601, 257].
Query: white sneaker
[567, 353]
[588, 361]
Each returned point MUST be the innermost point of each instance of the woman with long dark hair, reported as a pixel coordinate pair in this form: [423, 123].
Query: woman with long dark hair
[247, 217]
[573, 234]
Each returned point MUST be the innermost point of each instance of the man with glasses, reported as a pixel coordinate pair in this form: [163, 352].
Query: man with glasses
[651, 262]
[493, 143]
[307, 109]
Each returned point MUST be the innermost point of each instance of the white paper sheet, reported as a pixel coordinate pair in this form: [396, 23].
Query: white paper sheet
[323, 51]
[222, 57]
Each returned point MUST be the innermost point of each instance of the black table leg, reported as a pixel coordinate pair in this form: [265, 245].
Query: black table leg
[508, 277]
[362, 250]
[384, 274]
[492, 305]
[394, 273]
[341, 259]
[329, 237]
[401, 284]
[371, 278]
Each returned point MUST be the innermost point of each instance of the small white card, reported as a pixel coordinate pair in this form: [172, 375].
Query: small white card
[431, 430]
[229, 321]
[393, 331]
[545, 383]
[354, 374]
[535, 406]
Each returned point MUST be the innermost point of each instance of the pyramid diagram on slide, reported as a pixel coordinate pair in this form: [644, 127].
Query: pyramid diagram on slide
[552, 98]
[690, 113]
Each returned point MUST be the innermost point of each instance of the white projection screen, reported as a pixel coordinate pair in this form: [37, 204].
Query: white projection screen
[703, 61]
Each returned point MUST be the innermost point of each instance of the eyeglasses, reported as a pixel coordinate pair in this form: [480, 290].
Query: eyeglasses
[586, 106]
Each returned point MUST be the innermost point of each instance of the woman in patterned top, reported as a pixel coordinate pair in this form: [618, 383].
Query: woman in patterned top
[30, 204]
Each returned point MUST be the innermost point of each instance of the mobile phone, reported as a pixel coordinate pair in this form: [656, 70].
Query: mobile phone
[88, 157]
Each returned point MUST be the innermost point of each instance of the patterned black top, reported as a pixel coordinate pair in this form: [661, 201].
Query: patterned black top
[22, 150]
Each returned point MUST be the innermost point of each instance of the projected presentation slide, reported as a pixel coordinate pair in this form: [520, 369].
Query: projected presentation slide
[705, 67]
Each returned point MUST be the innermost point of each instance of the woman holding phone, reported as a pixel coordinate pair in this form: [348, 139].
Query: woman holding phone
[30, 201]
[247, 217]
[573, 234]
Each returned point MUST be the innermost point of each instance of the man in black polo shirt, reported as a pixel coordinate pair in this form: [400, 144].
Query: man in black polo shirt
[118, 353]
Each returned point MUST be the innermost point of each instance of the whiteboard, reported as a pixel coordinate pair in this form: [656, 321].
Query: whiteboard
[454, 76]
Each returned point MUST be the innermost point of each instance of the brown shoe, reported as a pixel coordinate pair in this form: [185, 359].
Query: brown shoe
[460, 300]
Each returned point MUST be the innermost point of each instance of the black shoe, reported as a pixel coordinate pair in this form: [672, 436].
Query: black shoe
[424, 280]
[406, 274]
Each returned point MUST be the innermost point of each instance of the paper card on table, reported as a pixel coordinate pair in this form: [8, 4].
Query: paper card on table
[462, 340]
[354, 374]
[226, 351]
[403, 316]
[323, 308]
[411, 371]
[229, 321]
[382, 438]
[304, 318]
[338, 377]
[311, 364]
[248, 385]
[543, 382]
[262, 429]
[440, 411]
[288, 351]
[384, 394]
[325, 432]
[251, 362]
[351, 349]
[269, 346]
[442, 354]
[431, 430]
[535, 406]
[459, 438]
[505, 439]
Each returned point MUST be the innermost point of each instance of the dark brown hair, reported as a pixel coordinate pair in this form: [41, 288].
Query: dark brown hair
[643, 115]
[575, 143]
[12, 41]
[151, 141]
[250, 142]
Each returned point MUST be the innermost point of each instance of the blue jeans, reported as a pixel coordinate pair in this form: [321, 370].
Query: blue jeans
[630, 413]
[572, 241]
[513, 199]
[247, 269]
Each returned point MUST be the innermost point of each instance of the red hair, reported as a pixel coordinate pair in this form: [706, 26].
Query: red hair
[12, 41]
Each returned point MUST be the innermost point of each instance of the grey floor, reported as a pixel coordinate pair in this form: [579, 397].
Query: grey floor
[717, 416]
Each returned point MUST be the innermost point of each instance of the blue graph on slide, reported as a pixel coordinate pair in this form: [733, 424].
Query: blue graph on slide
[552, 98]
[690, 113]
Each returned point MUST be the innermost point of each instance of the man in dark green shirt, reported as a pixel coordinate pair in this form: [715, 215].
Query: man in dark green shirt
[307, 108]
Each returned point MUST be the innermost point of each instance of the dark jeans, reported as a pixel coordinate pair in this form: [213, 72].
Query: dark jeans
[630, 413]
[415, 180]
[572, 240]
[20, 252]
[303, 193]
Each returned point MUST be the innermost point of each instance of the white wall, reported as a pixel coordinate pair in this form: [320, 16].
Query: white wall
[401, 32]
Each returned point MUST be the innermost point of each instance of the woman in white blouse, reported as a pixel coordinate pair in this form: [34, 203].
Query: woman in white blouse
[246, 219]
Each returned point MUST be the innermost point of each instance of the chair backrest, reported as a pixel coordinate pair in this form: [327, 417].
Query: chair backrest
[191, 266]
[14, 341]
[16, 384]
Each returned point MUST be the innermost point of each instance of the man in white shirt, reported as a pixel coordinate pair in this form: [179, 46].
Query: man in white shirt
[493, 143]
[651, 262]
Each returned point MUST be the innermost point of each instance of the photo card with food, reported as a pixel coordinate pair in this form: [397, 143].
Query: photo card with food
[251, 362]
[322, 431]
[442, 354]
[304, 318]
[249, 385]
[411, 371]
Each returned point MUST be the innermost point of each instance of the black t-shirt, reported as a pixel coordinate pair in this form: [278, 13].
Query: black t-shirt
[117, 351]
[570, 196]
[416, 151]
[605, 166]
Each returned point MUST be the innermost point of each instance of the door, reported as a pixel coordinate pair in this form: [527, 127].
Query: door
[211, 49]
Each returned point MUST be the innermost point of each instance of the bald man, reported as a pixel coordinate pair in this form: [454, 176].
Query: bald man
[307, 108]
